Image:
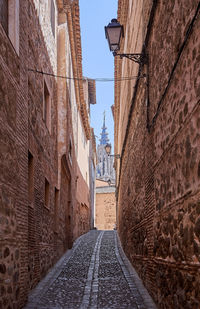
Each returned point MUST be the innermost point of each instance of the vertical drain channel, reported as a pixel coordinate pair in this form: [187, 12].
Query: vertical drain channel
[91, 285]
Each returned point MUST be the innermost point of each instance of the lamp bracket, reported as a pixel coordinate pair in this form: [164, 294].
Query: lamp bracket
[117, 156]
[138, 58]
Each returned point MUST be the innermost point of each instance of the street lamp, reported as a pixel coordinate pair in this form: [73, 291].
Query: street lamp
[114, 32]
[109, 182]
[108, 150]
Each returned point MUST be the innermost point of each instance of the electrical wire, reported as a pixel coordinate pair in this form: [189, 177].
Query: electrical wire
[87, 78]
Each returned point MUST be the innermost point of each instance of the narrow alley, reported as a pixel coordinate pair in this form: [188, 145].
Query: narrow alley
[94, 274]
[99, 154]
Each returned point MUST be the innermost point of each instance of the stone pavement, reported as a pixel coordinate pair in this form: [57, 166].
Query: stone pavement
[95, 274]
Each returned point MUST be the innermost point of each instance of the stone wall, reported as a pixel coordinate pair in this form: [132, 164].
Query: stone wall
[159, 194]
[13, 166]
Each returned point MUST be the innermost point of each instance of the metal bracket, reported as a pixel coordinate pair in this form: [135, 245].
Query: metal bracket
[117, 156]
[138, 58]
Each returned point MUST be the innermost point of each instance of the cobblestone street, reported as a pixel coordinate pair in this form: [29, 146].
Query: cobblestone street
[94, 274]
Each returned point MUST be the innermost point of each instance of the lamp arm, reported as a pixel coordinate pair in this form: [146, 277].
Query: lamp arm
[138, 58]
[117, 156]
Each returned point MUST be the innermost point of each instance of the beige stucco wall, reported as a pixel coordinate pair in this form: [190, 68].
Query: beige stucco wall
[83, 152]
[105, 207]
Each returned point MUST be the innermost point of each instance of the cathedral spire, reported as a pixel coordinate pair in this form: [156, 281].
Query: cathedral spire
[104, 135]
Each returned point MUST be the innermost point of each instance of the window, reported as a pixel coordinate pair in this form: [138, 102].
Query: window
[47, 107]
[56, 202]
[4, 14]
[9, 18]
[30, 177]
[53, 17]
[70, 151]
[47, 192]
[13, 23]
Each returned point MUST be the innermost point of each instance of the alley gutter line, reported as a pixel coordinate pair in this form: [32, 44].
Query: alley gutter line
[91, 285]
[135, 283]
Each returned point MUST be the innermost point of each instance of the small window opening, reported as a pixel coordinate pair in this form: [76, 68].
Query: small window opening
[56, 203]
[30, 177]
[47, 192]
[47, 107]
[53, 17]
[4, 15]
[70, 151]
[9, 19]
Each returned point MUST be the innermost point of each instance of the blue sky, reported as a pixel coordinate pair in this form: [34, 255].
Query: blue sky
[98, 61]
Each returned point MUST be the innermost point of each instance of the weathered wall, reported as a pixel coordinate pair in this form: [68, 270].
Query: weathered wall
[33, 235]
[159, 185]
[43, 147]
[13, 167]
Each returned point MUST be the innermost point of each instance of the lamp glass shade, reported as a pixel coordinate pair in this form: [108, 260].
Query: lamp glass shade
[114, 32]
[108, 149]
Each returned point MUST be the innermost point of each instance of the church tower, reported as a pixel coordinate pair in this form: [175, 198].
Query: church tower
[104, 168]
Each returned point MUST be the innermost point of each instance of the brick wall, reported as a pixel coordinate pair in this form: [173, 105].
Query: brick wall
[13, 166]
[83, 206]
[159, 181]
[36, 210]
[43, 147]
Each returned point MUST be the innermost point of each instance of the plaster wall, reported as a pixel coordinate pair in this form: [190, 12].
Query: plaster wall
[83, 151]
[43, 11]
[105, 210]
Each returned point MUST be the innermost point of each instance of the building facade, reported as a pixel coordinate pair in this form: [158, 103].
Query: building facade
[40, 117]
[86, 159]
[104, 170]
[105, 204]
[157, 134]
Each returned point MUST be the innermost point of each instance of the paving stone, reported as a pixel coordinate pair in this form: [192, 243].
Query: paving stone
[95, 274]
